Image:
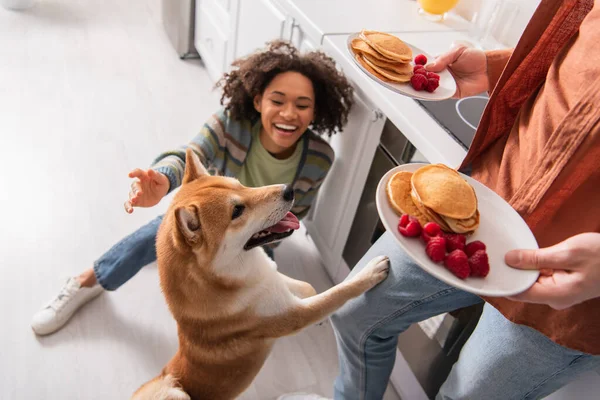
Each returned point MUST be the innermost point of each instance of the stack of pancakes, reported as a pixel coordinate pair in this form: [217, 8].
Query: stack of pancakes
[383, 55]
[435, 193]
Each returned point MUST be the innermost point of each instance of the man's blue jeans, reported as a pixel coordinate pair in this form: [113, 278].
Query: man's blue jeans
[501, 360]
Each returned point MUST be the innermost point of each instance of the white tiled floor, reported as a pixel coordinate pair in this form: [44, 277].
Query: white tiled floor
[89, 90]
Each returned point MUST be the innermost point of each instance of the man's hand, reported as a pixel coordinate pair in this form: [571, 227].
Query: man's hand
[569, 271]
[469, 68]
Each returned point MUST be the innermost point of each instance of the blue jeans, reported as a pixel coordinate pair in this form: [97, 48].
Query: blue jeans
[501, 360]
[128, 256]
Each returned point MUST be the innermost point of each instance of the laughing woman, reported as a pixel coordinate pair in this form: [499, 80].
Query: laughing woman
[261, 136]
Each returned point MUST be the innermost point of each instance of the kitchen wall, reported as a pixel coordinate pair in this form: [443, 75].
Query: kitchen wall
[509, 36]
[526, 10]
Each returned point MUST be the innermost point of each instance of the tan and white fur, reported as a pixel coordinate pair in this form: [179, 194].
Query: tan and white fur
[225, 293]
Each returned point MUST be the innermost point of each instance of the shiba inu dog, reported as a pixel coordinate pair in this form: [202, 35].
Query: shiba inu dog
[225, 293]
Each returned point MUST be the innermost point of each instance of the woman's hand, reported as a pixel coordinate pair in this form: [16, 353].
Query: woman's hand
[569, 271]
[147, 189]
[469, 68]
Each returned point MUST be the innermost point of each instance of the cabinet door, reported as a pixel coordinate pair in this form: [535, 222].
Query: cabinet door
[211, 39]
[258, 22]
[335, 207]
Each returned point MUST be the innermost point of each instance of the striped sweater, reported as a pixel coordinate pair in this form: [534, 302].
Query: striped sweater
[223, 144]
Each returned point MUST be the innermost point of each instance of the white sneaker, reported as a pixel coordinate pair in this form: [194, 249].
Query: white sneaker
[71, 297]
[302, 396]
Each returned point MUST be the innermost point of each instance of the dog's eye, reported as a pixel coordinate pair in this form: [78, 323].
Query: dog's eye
[237, 211]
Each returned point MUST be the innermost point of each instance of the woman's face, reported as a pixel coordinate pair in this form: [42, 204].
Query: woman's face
[286, 107]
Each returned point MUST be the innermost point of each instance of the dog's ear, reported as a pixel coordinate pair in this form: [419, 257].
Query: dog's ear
[193, 167]
[188, 223]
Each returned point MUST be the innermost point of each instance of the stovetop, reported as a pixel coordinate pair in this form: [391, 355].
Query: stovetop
[459, 117]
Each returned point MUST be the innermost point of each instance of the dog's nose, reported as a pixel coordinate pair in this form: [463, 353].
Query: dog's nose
[288, 193]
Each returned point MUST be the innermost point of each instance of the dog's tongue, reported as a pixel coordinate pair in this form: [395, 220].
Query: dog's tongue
[288, 222]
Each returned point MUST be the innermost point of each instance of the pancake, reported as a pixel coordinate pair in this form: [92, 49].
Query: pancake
[360, 46]
[360, 58]
[428, 213]
[399, 68]
[391, 76]
[444, 191]
[388, 45]
[463, 225]
[398, 191]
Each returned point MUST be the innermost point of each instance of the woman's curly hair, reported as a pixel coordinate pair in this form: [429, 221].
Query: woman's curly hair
[251, 75]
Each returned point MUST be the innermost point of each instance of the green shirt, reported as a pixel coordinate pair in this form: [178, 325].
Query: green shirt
[262, 169]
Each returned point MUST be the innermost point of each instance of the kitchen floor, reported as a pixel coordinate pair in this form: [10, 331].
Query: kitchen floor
[89, 90]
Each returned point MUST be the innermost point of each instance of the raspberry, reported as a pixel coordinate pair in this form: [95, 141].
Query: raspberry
[432, 84]
[421, 59]
[454, 241]
[436, 248]
[418, 67]
[404, 220]
[479, 263]
[473, 247]
[432, 229]
[419, 82]
[458, 263]
[413, 229]
[432, 75]
[425, 237]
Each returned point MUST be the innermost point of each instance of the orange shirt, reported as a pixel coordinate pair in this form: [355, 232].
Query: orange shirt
[538, 146]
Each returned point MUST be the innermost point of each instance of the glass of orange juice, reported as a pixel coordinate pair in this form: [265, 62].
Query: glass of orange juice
[435, 10]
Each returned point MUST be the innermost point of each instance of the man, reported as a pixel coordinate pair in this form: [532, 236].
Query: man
[538, 146]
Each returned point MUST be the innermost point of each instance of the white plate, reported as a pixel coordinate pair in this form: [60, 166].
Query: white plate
[445, 91]
[501, 228]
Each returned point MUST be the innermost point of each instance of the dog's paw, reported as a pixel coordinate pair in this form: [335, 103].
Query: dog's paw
[374, 272]
[176, 394]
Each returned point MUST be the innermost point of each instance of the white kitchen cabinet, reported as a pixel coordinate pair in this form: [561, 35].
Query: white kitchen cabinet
[274, 23]
[259, 21]
[229, 29]
[212, 39]
[333, 212]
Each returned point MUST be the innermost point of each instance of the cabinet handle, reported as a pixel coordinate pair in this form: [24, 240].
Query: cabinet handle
[294, 26]
[377, 115]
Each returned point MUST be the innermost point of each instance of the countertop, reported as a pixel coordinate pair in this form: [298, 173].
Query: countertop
[319, 18]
